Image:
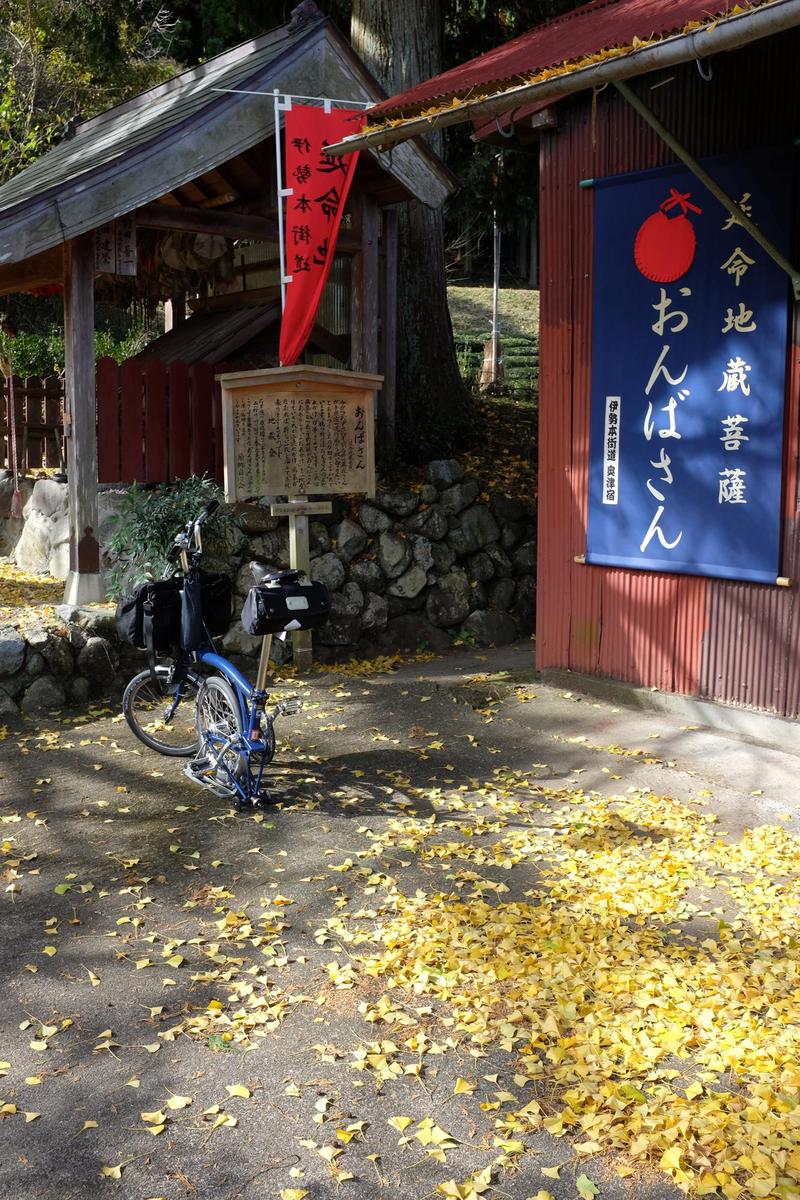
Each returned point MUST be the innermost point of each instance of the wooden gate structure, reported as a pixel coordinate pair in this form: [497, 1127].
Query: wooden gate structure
[194, 156]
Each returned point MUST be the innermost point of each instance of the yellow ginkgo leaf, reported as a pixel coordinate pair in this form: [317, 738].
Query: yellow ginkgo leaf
[463, 1087]
[112, 1172]
[179, 1101]
[400, 1123]
[237, 1089]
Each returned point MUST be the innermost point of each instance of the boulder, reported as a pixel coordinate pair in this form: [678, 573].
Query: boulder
[525, 558]
[350, 539]
[254, 519]
[11, 527]
[500, 560]
[349, 601]
[238, 641]
[43, 694]
[373, 520]
[507, 508]
[394, 554]
[342, 629]
[410, 583]
[444, 471]
[431, 522]
[449, 601]
[12, 650]
[319, 538]
[443, 557]
[524, 606]
[479, 526]
[328, 569]
[7, 706]
[57, 654]
[368, 575]
[513, 533]
[428, 493]
[489, 628]
[422, 553]
[376, 612]
[460, 495]
[412, 631]
[480, 567]
[501, 594]
[77, 690]
[399, 504]
[98, 663]
[97, 622]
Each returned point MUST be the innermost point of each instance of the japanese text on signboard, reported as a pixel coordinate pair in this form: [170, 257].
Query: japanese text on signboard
[318, 190]
[688, 371]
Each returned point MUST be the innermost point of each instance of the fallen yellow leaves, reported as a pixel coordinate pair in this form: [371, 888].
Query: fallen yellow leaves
[655, 1027]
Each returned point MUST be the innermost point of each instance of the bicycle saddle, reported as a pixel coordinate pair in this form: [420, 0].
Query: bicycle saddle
[268, 576]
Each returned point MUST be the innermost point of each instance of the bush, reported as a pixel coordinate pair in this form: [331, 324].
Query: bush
[144, 526]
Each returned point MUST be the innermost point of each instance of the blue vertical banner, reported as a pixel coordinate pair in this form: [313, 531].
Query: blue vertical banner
[689, 350]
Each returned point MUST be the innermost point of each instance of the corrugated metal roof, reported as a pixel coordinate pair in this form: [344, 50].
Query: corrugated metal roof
[597, 26]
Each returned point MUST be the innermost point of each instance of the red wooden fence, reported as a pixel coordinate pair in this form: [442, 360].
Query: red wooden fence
[155, 422]
[158, 422]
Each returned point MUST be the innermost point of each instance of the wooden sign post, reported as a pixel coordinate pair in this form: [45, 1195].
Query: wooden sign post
[295, 432]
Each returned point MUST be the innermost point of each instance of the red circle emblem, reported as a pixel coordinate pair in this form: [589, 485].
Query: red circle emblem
[665, 245]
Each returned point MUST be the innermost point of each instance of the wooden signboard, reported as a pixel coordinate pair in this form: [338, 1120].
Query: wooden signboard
[115, 247]
[298, 431]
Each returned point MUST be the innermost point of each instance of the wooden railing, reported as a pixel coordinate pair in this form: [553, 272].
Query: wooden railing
[155, 422]
[38, 409]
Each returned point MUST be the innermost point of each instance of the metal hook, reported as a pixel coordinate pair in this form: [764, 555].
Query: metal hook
[502, 132]
[705, 73]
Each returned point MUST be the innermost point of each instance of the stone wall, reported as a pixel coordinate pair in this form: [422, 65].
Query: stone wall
[76, 660]
[417, 568]
[410, 568]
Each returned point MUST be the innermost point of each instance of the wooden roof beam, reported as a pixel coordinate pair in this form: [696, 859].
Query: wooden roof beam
[206, 220]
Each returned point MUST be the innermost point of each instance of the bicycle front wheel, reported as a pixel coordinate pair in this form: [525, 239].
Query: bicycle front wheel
[219, 722]
[158, 716]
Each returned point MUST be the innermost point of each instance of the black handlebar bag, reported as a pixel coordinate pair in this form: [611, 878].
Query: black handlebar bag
[285, 607]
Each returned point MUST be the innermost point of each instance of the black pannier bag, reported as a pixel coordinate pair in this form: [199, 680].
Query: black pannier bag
[286, 606]
[207, 602]
[150, 617]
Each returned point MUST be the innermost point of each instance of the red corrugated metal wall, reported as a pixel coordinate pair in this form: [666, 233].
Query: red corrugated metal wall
[729, 641]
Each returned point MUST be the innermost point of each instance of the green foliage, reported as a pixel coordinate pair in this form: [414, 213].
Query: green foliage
[145, 524]
[43, 353]
[59, 60]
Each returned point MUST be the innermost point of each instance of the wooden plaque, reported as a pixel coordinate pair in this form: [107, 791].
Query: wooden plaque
[298, 431]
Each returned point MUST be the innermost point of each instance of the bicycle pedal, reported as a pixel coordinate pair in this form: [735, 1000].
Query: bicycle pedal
[290, 706]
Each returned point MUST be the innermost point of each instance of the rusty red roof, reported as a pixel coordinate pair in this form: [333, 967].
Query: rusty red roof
[597, 26]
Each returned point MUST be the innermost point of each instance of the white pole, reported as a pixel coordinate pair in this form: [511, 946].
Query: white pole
[283, 192]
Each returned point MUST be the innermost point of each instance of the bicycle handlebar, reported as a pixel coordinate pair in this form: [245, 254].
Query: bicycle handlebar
[208, 511]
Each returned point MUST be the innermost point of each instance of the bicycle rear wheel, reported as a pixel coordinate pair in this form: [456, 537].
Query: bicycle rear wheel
[158, 717]
[218, 720]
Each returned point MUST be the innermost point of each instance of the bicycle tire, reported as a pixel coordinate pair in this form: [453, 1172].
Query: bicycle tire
[217, 711]
[143, 699]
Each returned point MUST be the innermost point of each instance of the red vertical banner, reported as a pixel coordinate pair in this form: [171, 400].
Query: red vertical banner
[313, 214]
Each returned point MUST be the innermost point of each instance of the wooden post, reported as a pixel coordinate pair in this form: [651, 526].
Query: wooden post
[84, 581]
[174, 311]
[299, 559]
[387, 395]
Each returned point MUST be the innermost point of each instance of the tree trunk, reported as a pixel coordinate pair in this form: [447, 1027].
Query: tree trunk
[400, 42]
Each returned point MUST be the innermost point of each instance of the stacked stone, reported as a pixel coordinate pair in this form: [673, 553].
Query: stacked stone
[411, 568]
[46, 668]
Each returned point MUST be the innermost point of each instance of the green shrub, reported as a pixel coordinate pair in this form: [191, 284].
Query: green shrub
[144, 525]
